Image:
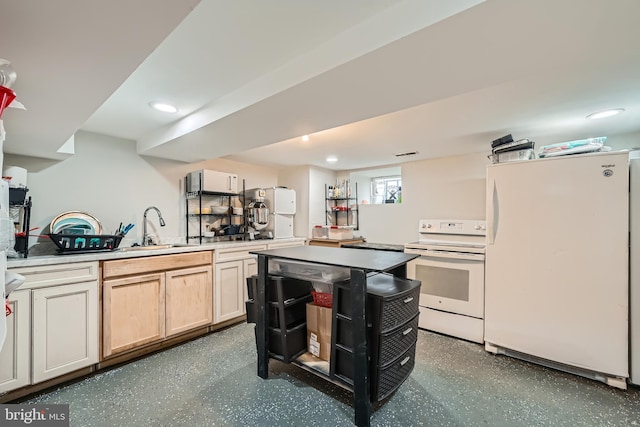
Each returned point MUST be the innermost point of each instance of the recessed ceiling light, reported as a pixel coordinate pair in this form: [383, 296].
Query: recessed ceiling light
[305, 138]
[605, 113]
[332, 159]
[165, 108]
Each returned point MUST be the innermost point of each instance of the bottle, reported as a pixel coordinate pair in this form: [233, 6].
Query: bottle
[330, 195]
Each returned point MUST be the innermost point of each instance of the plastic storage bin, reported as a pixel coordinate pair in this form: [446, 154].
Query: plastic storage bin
[287, 302]
[320, 232]
[333, 232]
[308, 271]
[341, 232]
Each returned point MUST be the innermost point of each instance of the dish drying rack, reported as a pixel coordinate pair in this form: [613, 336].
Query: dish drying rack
[82, 243]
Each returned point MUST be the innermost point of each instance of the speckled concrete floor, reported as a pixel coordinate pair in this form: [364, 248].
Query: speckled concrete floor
[212, 381]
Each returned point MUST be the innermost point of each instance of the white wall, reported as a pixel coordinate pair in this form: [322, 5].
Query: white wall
[297, 178]
[624, 141]
[451, 187]
[255, 176]
[109, 180]
[318, 178]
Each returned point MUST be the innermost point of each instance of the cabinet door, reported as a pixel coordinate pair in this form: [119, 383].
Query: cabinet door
[133, 312]
[15, 356]
[228, 295]
[189, 299]
[65, 329]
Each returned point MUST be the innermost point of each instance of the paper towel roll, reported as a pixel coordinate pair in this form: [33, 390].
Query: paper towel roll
[18, 176]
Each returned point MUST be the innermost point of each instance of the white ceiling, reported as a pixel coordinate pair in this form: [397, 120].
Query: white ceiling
[366, 79]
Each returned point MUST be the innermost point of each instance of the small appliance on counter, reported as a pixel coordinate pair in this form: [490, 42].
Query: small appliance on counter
[271, 212]
[257, 217]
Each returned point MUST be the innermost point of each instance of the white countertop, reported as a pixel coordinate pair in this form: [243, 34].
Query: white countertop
[120, 254]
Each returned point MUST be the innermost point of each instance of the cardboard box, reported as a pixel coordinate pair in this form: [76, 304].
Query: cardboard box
[319, 331]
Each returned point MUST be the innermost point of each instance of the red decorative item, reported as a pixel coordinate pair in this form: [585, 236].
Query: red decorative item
[322, 299]
[6, 97]
[7, 308]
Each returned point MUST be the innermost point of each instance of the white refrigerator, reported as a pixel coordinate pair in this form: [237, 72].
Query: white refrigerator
[557, 263]
[634, 262]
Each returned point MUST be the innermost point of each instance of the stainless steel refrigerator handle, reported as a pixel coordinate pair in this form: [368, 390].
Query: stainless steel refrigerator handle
[491, 217]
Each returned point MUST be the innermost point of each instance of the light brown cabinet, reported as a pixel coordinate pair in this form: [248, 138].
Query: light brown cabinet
[133, 312]
[188, 297]
[167, 295]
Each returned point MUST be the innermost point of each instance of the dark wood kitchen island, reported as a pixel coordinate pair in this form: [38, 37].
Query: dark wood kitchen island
[361, 264]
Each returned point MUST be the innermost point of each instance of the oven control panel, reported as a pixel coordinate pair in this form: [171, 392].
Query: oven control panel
[445, 226]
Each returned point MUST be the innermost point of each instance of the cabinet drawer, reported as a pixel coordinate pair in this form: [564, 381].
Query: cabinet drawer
[384, 347]
[131, 266]
[398, 341]
[61, 274]
[397, 311]
[391, 301]
[384, 380]
[233, 254]
[286, 244]
[393, 375]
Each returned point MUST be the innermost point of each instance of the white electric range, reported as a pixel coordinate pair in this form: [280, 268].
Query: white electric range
[451, 269]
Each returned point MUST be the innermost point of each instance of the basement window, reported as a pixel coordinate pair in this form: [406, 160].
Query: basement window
[378, 186]
[386, 190]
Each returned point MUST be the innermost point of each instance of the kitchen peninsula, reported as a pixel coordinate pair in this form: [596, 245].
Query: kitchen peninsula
[355, 297]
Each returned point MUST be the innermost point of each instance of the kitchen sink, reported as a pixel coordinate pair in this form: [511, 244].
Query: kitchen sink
[155, 247]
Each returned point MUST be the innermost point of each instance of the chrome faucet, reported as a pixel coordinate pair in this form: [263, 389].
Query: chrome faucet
[146, 240]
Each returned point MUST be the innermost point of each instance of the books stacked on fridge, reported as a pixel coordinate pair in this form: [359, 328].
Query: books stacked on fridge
[505, 149]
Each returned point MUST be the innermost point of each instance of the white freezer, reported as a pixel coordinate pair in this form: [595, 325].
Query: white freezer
[280, 225]
[634, 260]
[281, 200]
[557, 260]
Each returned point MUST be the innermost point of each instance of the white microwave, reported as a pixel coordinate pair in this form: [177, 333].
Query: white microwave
[213, 181]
